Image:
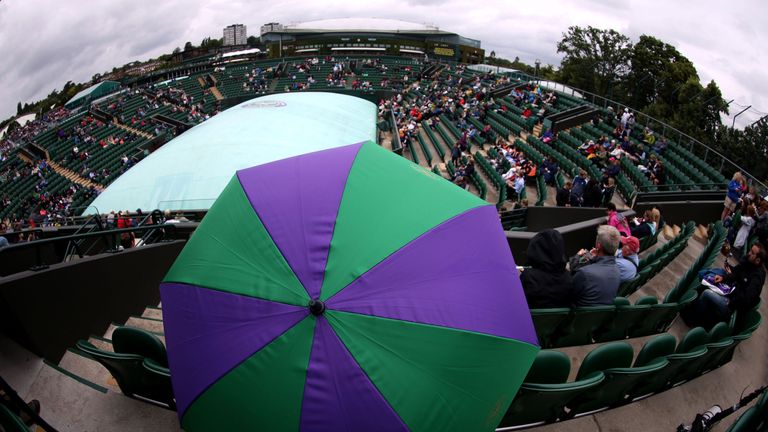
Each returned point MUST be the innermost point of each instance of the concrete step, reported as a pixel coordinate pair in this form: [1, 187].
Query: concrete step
[69, 404]
[101, 343]
[84, 367]
[154, 313]
[152, 325]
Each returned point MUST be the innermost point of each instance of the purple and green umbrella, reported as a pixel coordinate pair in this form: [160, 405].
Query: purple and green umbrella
[346, 290]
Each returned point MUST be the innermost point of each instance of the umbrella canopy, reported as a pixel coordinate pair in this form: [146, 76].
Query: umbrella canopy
[346, 290]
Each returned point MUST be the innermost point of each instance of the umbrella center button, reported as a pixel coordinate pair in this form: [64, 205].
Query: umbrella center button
[316, 307]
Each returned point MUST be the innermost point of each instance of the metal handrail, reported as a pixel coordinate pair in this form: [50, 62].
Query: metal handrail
[646, 188]
[109, 235]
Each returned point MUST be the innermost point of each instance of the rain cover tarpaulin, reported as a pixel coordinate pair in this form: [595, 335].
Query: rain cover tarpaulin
[346, 290]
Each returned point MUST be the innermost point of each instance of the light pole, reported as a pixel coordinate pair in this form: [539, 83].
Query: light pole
[740, 113]
[537, 63]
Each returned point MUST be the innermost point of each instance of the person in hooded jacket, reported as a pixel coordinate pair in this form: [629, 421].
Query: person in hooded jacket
[546, 283]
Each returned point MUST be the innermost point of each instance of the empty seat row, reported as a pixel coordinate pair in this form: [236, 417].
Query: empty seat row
[563, 327]
[608, 377]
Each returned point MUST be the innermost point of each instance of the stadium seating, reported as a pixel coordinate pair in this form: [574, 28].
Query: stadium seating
[608, 378]
[138, 364]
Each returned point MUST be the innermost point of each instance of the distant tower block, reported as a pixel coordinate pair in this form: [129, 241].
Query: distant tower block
[236, 34]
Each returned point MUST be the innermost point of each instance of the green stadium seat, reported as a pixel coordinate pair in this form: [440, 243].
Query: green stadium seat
[131, 340]
[613, 360]
[659, 315]
[158, 383]
[137, 376]
[627, 317]
[550, 367]
[547, 322]
[655, 349]
[749, 421]
[582, 324]
[10, 422]
[537, 404]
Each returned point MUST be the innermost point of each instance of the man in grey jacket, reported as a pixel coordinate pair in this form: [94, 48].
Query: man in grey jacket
[597, 283]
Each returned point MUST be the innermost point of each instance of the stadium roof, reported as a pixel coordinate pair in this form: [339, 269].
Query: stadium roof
[95, 91]
[21, 121]
[191, 170]
[242, 52]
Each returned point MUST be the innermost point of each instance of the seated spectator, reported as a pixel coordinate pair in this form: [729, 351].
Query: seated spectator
[644, 227]
[547, 137]
[627, 259]
[578, 188]
[747, 224]
[592, 194]
[546, 283]
[597, 283]
[617, 220]
[612, 170]
[607, 191]
[746, 279]
[563, 197]
[549, 169]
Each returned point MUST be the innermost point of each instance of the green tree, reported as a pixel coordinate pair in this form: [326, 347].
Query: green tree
[188, 46]
[595, 60]
[209, 43]
[18, 108]
[656, 70]
[253, 41]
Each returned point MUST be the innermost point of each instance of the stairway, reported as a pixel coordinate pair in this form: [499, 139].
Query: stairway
[80, 394]
[25, 158]
[216, 93]
[73, 176]
[537, 130]
[138, 132]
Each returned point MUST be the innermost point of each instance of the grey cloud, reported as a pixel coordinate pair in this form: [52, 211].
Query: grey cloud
[74, 40]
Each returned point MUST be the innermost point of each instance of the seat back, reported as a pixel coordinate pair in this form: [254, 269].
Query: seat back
[655, 349]
[658, 316]
[547, 322]
[628, 287]
[130, 340]
[715, 353]
[550, 367]
[10, 422]
[695, 338]
[665, 378]
[719, 332]
[545, 403]
[583, 322]
[157, 385]
[125, 368]
[627, 318]
[614, 390]
[647, 300]
[608, 356]
[747, 323]
[746, 422]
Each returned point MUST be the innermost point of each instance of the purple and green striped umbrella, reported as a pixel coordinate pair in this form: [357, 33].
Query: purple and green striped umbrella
[346, 290]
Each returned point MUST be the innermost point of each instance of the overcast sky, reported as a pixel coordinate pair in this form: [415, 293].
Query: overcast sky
[44, 43]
